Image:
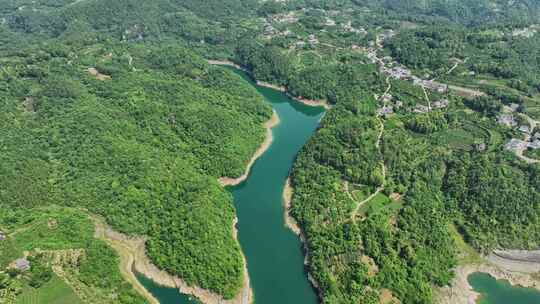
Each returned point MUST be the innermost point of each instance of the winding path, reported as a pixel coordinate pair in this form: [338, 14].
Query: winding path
[354, 213]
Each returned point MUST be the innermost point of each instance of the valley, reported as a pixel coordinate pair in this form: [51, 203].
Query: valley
[422, 171]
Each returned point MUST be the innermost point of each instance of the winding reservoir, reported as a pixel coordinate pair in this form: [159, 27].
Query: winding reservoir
[274, 254]
[500, 291]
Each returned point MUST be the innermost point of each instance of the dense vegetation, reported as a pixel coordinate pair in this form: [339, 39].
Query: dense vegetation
[374, 195]
[404, 244]
[140, 141]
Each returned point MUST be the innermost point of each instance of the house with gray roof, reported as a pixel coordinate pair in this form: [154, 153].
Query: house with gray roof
[525, 129]
[421, 109]
[535, 144]
[440, 104]
[507, 120]
[22, 264]
[386, 110]
[516, 145]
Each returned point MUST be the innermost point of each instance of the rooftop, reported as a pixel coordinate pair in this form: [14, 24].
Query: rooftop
[443, 103]
[525, 129]
[535, 144]
[516, 144]
[507, 119]
[22, 264]
[386, 110]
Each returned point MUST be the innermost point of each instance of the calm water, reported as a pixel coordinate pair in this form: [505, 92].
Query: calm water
[500, 291]
[274, 255]
[163, 294]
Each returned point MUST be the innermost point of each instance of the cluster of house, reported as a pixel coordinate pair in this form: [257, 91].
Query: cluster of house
[385, 35]
[519, 145]
[330, 22]
[527, 32]
[507, 119]
[350, 29]
[312, 40]
[535, 142]
[388, 109]
[391, 68]
[402, 73]
[515, 144]
[270, 32]
[397, 72]
[439, 104]
[289, 17]
[431, 85]
[385, 110]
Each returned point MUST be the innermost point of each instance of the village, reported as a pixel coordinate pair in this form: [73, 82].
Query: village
[394, 70]
[531, 138]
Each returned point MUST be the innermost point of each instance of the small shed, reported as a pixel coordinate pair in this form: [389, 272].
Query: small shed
[2, 236]
[481, 147]
[22, 264]
[535, 144]
[525, 129]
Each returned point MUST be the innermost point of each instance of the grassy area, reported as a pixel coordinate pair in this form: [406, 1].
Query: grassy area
[8, 252]
[378, 203]
[54, 292]
[456, 138]
[360, 192]
[467, 255]
[532, 107]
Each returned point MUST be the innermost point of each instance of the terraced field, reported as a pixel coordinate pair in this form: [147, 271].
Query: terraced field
[55, 291]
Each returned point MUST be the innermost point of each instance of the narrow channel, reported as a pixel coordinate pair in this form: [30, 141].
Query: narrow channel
[274, 254]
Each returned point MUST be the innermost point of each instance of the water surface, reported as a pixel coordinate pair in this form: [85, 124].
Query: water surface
[273, 252]
[500, 291]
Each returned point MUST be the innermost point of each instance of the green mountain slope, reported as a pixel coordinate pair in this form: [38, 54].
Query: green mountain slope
[143, 148]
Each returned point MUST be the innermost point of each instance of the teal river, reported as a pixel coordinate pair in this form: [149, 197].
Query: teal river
[274, 254]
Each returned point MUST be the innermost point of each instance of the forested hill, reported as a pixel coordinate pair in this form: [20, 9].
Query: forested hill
[463, 11]
[135, 133]
[223, 22]
[205, 23]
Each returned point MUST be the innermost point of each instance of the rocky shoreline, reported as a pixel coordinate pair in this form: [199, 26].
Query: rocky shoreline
[292, 224]
[230, 181]
[500, 268]
[133, 257]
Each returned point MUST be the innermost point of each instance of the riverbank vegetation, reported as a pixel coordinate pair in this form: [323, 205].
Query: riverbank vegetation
[109, 106]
